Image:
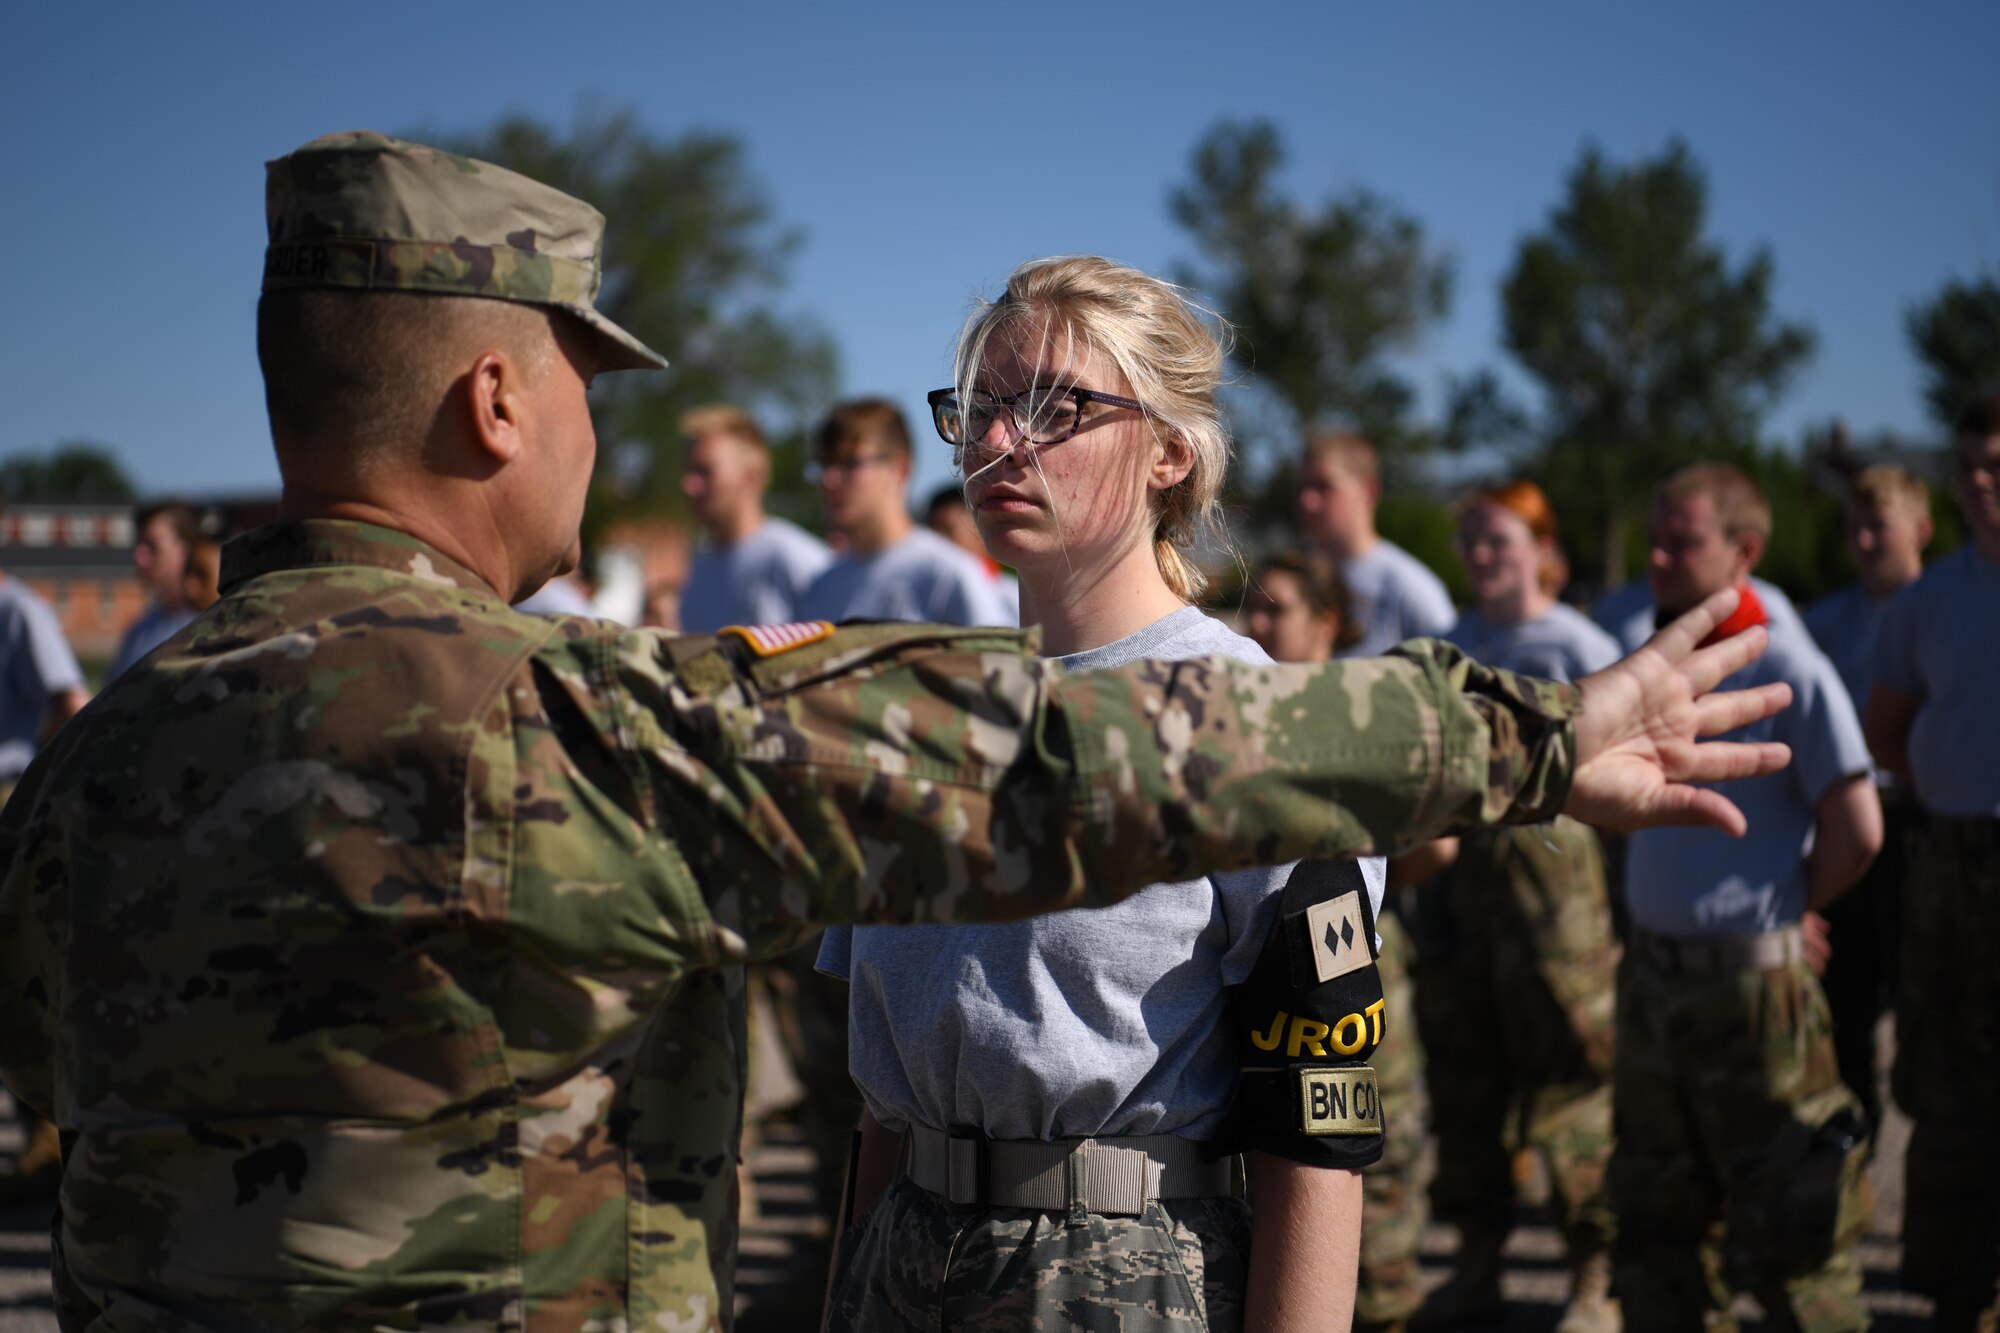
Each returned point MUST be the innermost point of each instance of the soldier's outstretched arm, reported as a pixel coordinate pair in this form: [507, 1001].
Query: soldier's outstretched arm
[912, 773]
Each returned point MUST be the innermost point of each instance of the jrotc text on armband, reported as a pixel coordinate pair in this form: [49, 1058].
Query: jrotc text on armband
[1310, 1037]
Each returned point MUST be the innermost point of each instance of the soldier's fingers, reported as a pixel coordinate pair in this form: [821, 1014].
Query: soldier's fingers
[1677, 640]
[1700, 807]
[1717, 713]
[1708, 667]
[1725, 761]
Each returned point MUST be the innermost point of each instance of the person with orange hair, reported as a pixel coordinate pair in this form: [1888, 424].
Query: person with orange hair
[1520, 925]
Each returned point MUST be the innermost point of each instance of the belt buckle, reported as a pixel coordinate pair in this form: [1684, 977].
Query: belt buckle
[967, 1166]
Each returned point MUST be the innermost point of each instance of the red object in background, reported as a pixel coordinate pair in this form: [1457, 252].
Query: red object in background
[1749, 611]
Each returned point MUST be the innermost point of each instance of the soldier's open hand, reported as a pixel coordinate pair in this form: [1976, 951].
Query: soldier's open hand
[1638, 741]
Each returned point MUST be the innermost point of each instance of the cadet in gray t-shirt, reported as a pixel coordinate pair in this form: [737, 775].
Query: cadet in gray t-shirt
[759, 580]
[1938, 645]
[1077, 1024]
[1695, 881]
[1562, 645]
[920, 577]
[1396, 597]
[36, 667]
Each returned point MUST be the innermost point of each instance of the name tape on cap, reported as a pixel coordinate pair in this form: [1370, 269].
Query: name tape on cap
[1340, 1102]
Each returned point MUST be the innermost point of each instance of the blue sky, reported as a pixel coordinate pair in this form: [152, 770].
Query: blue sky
[925, 150]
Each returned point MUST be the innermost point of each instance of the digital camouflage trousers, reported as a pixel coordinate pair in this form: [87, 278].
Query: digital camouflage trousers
[1740, 1152]
[1393, 1205]
[1947, 1074]
[914, 1262]
[1515, 979]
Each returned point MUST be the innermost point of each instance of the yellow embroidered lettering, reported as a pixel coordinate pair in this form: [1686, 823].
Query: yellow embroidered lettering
[1307, 1036]
[1344, 1044]
[1268, 1041]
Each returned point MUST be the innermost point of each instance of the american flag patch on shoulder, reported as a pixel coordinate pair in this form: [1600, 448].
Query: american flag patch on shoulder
[770, 640]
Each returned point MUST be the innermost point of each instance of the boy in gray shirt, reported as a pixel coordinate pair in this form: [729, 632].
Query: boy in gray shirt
[1931, 719]
[1395, 595]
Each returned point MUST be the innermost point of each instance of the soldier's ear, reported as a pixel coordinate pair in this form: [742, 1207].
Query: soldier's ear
[496, 403]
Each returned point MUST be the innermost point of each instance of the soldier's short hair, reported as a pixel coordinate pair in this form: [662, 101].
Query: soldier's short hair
[1887, 487]
[1740, 505]
[1351, 453]
[365, 371]
[859, 420]
[722, 419]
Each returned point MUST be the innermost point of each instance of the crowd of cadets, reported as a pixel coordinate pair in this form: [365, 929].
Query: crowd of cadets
[1699, 1081]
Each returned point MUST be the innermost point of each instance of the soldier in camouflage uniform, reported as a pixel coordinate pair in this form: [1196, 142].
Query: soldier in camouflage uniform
[1517, 960]
[379, 950]
[1932, 721]
[1739, 1154]
[1514, 997]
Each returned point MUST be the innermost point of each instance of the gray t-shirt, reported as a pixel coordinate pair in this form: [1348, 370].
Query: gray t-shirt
[1100, 1021]
[1561, 645]
[154, 626]
[923, 577]
[757, 581]
[1701, 881]
[1395, 597]
[1844, 625]
[1633, 618]
[35, 663]
[1939, 640]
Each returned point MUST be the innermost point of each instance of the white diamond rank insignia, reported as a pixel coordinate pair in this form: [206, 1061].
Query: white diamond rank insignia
[1341, 942]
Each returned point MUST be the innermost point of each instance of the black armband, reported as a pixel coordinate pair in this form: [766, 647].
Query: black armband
[1305, 1023]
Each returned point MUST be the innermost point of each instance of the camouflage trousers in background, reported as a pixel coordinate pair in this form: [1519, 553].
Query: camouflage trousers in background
[1516, 979]
[915, 1264]
[1392, 1190]
[1947, 1074]
[1740, 1153]
[1866, 925]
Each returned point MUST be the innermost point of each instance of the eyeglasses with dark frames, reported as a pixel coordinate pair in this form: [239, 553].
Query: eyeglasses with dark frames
[1042, 415]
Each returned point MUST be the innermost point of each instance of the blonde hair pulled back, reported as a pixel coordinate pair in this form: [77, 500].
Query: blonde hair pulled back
[1170, 351]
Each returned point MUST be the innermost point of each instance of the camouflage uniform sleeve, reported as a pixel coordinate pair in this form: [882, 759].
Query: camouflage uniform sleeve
[913, 773]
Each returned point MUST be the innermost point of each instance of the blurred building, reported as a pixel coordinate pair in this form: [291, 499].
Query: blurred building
[78, 558]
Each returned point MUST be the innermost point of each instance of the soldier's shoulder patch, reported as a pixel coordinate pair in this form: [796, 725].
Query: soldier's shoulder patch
[770, 640]
[1342, 1102]
[1339, 936]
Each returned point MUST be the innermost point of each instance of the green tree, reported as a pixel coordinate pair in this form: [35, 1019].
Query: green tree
[693, 263]
[1649, 347]
[74, 472]
[1956, 334]
[1320, 297]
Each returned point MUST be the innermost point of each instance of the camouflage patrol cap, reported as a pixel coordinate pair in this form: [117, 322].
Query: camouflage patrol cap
[364, 211]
